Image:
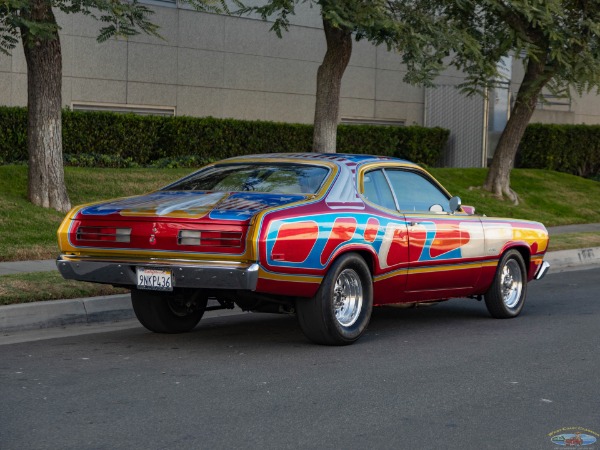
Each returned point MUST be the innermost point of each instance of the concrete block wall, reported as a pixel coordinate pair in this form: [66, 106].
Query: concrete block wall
[213, 65]
[232, 67]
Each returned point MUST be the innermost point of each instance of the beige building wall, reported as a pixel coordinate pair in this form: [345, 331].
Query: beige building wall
[220, 66]
[233, 67]
[583, 109]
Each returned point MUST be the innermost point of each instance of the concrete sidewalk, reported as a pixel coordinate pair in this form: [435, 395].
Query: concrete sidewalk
[577, 228]
[13, 267]
[114, 308]
[57, 313]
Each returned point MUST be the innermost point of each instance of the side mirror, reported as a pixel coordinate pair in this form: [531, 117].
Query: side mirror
[470, 210]
[454, 203]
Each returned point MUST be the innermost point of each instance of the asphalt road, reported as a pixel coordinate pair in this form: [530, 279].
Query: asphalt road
[443, 377]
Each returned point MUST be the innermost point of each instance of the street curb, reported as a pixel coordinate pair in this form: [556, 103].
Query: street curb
[114, 308]
[58, 313]
[564, 259]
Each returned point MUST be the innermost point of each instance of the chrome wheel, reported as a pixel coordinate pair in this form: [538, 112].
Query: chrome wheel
[347, 297]
[511, 283]
[506, 296]
[340, 311]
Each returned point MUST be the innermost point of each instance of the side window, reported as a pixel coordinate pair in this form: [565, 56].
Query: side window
[416, 193]
[377, 190]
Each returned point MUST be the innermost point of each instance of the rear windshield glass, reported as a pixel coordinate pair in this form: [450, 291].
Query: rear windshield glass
[278, 178]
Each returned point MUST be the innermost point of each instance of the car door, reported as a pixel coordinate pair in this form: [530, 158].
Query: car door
[392, 247]
[444, 248]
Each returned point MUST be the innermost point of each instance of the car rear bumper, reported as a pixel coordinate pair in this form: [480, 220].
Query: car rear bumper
[542, 270]
[185, 274]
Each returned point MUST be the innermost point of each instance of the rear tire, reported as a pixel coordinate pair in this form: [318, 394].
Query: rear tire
[169, 312]
[341, 309]
[506, 296]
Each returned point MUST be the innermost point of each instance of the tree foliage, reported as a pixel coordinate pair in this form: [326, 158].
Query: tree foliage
[404, 26]
[120, 18]
[416, 29]
[558, 42]
[34, 22]
[564, 36]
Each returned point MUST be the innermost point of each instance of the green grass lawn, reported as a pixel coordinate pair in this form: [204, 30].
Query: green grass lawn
[574, 240]
[29, 232]
[552, 198]
[42, 286]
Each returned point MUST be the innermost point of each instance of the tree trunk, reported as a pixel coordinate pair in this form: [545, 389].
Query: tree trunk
[498, 177]
[44, 121]
[329, 83]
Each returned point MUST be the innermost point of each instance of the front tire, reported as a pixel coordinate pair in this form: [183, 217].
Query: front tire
[341, 309]
[506, 296]
[169, 312]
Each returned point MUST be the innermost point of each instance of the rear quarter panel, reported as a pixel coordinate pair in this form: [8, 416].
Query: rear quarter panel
[501, 235]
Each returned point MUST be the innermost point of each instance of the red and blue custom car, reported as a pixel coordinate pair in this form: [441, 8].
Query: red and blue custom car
[322, 236]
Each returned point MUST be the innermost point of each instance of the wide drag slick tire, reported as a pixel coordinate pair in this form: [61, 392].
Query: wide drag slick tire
[506, 296]
[341, 309]
[169, 312]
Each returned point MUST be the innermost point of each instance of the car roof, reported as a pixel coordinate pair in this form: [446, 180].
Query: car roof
[338, 196]
[339, 158]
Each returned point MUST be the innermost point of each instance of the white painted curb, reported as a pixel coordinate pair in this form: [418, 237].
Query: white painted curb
[571, 258]
[56, 313]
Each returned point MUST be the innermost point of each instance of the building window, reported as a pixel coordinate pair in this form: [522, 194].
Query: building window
[125, 109]
[369, 121]
[165, 3]
[554, 102]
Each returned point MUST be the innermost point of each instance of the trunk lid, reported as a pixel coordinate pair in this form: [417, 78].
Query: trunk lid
[173, 221]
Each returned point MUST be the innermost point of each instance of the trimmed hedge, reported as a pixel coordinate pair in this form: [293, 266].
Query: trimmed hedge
[573, 149]
[13, 135]
[104, 139]
[418, 144]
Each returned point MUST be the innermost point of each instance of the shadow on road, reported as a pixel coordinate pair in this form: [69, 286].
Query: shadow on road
[272, 330]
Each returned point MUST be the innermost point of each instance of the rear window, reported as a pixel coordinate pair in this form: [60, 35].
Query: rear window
[277, 178]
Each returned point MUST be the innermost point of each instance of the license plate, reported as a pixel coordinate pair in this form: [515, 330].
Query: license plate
[154, 279]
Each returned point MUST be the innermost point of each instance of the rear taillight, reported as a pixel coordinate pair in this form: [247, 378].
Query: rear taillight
[98, 234]
[210, 238]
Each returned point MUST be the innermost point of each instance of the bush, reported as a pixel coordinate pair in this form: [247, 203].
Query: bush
[418, 144]
[13, 135]
[573, 149]
[103, 139]
[121, 136]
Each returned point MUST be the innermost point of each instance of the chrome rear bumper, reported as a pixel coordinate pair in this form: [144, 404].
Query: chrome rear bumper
[542, 270]
[184, 274]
